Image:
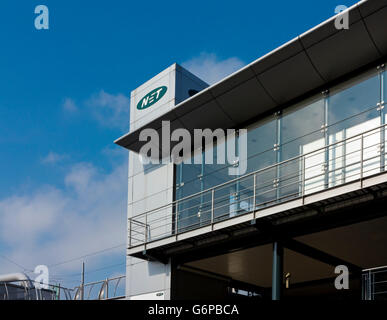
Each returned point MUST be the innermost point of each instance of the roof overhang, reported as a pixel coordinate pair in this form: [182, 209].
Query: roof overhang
[306, 63]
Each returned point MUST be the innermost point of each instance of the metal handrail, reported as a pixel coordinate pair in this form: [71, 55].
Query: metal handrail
[103, 292]
[30, 292]
[258, 171]
[283, 178]
[211, 191]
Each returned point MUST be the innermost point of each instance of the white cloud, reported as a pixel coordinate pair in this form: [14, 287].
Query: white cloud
[80, 177]
[27, 218]
[57, 224]
[110, 110]
[210, 68]
[53, 158]
[69, 105]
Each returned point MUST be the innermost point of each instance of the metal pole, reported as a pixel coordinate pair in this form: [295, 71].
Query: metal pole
[326, 138]
[303, 182]
[212, 207]
[176, 218]
[361, 160]
[146, 228]
[255, 193]
[277, 275]
[382, 119]
[83, 280]
[278, 150]
[130, 232]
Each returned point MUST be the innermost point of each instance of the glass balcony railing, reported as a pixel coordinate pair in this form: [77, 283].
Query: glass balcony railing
[374, 284]
[361, 154]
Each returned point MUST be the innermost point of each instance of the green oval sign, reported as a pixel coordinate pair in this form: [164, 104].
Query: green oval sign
[151, 98]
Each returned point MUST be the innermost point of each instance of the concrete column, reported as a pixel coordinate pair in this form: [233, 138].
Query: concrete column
[277, 274]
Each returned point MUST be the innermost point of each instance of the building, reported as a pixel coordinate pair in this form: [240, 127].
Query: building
[312, 197]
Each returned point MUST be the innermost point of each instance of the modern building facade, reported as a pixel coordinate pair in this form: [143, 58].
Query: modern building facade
[312, 192]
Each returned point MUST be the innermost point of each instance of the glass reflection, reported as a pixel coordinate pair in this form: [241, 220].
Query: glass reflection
[352, 110]
[303, 129]
[302, 132]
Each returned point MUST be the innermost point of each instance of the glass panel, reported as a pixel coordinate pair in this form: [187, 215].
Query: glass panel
[217, 172]
[353, 102]
[313, 165]
[266, 192]
[226, 201]
[245, 194]
[384, 83]
[260, 143]
[260, 154]
[178, 178]
[351, 111]
[234, 198]
[298, 137]
[371, 147]
[189, 210]
[189, 213]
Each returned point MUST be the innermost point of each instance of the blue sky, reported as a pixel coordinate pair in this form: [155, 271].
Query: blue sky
[64, 99]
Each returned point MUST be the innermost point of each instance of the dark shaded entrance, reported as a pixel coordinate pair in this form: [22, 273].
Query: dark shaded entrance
[302, 267]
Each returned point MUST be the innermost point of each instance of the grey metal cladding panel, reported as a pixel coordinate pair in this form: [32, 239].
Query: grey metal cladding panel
[343, 52]
[277, 56]
[246, 101]
[326, 30]
[193, 103]
[207, 116]
[369, 7]
[232, 82]
[291, 78]
[377, 26]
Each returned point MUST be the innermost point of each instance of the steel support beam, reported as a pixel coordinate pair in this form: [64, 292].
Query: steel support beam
[319, 255]
[277, 275]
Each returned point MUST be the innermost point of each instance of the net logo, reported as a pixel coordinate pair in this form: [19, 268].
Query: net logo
[151, 98]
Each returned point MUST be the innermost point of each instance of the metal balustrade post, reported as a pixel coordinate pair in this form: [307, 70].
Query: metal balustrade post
[326, 166]
[146, 228]
[326, 137]
[176, 218]
[212, 207]
[254, 192]
[361, 160]
[303, 182]
[130, 232]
